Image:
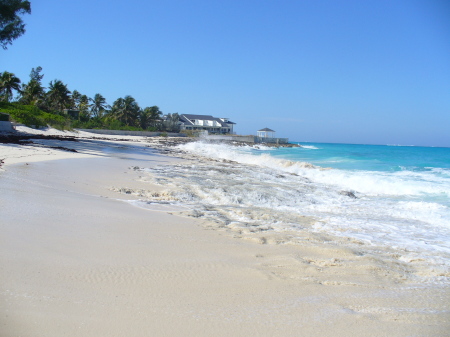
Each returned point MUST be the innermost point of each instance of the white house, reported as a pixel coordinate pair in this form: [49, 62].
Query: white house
[208, 123]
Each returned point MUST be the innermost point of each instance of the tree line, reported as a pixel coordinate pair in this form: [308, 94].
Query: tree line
[80, 110]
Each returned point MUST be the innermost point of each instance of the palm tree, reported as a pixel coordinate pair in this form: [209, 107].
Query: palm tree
[81, 103]
[118, 108]
[155, 117]
[150, 116]
[32, 93]
[76, 98]
[58, 96]
[98, 106]
[8, 83]
[83, 107]
[126, 110]
[144, 118]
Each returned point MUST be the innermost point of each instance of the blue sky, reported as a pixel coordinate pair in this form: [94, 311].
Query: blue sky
[370, 72]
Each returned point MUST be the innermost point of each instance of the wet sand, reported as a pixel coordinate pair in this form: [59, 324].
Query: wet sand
[77, 259]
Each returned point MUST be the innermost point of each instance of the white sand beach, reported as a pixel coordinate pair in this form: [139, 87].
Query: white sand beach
[78, 258]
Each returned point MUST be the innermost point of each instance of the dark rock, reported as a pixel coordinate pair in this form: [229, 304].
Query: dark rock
[348, 194]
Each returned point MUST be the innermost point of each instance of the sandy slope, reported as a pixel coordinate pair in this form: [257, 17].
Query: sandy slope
[77, 261]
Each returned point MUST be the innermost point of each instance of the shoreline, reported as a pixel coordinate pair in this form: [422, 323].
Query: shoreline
[79, 259]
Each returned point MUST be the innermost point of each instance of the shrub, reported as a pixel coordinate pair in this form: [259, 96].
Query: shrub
[33, 116]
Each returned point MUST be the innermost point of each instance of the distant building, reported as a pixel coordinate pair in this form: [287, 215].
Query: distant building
[208, 123]
[5, 124]
[72, 113]
[266, 133]
[4, 117]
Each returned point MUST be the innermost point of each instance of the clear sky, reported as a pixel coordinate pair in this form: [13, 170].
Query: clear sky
[349, 71]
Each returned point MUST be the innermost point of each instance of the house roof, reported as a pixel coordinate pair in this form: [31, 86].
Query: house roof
[267, 130]
[187, 118]
[202, 117]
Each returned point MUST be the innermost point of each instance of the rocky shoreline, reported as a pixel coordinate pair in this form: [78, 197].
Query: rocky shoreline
[24, 138]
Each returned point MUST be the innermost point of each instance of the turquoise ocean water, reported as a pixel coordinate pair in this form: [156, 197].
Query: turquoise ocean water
[410, 172]
[388, 158]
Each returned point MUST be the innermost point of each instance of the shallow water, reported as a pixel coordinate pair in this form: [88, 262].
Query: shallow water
[388, 200]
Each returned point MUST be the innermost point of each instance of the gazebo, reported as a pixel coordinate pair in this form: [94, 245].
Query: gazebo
[265, 133]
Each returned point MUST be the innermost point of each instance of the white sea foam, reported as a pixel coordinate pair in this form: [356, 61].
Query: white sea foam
[440, 171]
[310, 147]
[260, 193]
[384, 183]
[399, 145]
[262, 147]
[368, 182]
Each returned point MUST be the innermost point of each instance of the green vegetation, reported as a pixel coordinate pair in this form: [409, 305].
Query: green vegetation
[11, 25]
[33, 116]
[60, 108]
[8, 83]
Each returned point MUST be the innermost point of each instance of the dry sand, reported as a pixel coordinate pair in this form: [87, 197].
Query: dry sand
[77, 259]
